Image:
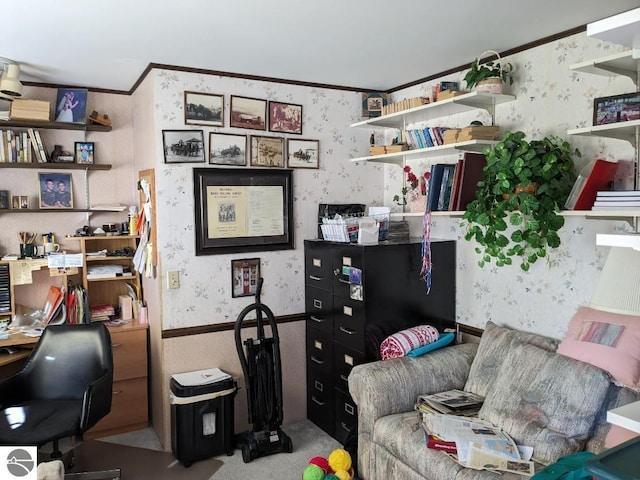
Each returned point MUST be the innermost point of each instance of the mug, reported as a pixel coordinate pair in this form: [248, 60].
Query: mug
[51, 247]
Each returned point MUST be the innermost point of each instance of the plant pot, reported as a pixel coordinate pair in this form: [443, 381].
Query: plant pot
[531, 188]
[489, 85]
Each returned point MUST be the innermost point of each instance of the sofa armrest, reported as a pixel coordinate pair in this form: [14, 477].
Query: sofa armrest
[392, 386]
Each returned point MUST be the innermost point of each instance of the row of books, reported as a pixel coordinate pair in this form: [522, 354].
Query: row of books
[405, 104]
[22, 147]
[5, 289]
[452, 186]
[424, 137]
[617, 200]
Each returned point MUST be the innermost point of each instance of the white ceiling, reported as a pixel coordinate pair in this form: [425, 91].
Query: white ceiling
[367, 44]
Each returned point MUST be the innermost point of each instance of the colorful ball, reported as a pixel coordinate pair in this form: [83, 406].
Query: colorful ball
[321, 462]
[340, 459]
[342, 475]
[330, 476]
[313, 472]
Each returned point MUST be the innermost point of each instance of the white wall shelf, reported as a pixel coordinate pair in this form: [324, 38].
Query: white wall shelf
[627, 416]
[621, 63]
[476, 146]
[625, 215]
[620, 130]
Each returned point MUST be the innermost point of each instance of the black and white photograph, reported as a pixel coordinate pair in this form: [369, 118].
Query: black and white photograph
[267, 151]
[204, 109]
[227, 149]
[55, 190]
[71, 105]
[248, 113]
[4, 199]
[303, 153]
[183, 146]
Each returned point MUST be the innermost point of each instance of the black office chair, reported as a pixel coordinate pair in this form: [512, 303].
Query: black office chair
[63, 390]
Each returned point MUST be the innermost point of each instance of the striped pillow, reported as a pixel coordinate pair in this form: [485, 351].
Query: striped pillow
[402, 342]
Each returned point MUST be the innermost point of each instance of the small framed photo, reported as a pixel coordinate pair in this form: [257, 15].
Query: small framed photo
[267, 151]
[618, 108]
[248, 113]
[183, 146]
[372, 104]
[204, 109]
[285, 117]
[55, 190]
[227, 149]
[303, 153]
[4, 200]
[84, 153]
[245, 274]
[15, 202]
[71, 105]
[24, 202]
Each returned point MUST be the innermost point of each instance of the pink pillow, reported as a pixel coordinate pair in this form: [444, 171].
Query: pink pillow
[610, 341]
[402, 342]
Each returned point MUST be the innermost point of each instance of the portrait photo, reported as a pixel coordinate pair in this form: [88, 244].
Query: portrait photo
[203, 109]
[302, 153]
[267, 151]
[84, 153]
[248, 113]
[183, 146]
[285, 117]
[227, 149]
[55, 190]
[71, 105]
[4, 199]
[245, 275]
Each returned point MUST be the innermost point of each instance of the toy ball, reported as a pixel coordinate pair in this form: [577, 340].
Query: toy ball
[330, 476]
[313, 472]
[340, 459]
[342, 475]
[322, 463]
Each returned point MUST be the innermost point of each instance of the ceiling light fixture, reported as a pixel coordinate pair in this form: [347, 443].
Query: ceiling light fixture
[10, 85]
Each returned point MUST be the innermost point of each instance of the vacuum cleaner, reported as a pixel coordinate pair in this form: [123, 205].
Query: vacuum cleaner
[263, 380]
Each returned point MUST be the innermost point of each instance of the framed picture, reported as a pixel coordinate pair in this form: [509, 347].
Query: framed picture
[71, 105]
[248, 113]
[227, 149]
[285, 117]
[4, 200]
[84, 153]
[15, 202]
[242, 210]
[302, 153]
[267, 151]
[244, 277]
[618, 108]
[183, 146]
[55, 190]
[204, 109]
[372, 104]
[24, 202]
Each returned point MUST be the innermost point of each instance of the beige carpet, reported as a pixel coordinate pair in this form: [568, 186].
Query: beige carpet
[139, 463]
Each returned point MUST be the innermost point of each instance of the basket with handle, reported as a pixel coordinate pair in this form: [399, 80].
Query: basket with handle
[490, 84]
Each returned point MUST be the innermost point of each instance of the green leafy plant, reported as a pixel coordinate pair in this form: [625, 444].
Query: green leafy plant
[479, 72]
[523, 186]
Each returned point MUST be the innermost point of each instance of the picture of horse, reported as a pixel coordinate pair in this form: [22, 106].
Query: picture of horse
[183, 146]
[203, 109]
[227, 149]
[248, 113]
[267, 151]
[303, 153]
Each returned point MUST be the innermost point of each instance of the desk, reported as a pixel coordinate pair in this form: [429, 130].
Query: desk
[12, 362]
[627, 416]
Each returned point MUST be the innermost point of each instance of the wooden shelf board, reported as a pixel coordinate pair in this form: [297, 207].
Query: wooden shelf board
[56, 166]
[89, 127]
[476, 146]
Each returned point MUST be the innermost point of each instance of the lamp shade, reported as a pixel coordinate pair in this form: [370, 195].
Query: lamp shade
[10, 81]
[618, 289]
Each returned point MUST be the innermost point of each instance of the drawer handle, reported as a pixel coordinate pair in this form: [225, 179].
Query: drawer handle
[345, 426]
[347, 331]
[349, 409]
[342, 280]
[315, 360]
[316, 401]
[318, 385]
[116, 345]
[344, 378]
[317, 303]
[117, 392]
[316, 278]
[317, 319]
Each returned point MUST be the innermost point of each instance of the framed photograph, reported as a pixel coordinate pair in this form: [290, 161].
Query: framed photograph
[267, 151]
[15, 202]
[618, 108]
[372, 104]
[71, 105]
[302, 153]
[204, 109]
[55, 190]
[183, 146]
[24, 202]
[227, 149]
[4, 200]
[248, 113]
[285, 117]
[243, 210]
[84, 153]
[244, 277]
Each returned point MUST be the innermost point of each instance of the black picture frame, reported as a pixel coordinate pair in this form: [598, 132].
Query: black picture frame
[203, 109]
[245, 274]
[183, 146]
[248, 113]
[617, 108]
[71, 105]
[243, 210]
[84, 153]
[55, 190]
[227, 149]
[372, 103]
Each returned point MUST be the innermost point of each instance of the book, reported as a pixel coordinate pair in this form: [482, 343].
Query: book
[41, 147]
[34, 144]
[436, 443]
[452, 401]
[455, 187]
[51, 304]
[618, 194]
[435, 180]
[445, 187]
[470, 175]
[599, 177]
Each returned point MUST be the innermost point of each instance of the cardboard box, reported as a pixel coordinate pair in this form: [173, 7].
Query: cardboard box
[126, 307]
[25, 109]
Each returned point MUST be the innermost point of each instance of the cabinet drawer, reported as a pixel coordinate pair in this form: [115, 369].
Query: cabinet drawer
[321, 408]
[319, 308]
[343, 260]
[129, 354]
[320, 349]
[348, 322]
[128, 405]
[317, 267]
[320, 383]
[344, 360]
[346, 417]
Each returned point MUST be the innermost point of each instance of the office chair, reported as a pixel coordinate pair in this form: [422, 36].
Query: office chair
[63, 390]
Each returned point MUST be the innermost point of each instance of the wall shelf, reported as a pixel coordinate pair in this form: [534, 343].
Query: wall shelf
[625, 215]
[621, 63]
[620, 130]
[57, 166]
[476, 146]
[89, 127]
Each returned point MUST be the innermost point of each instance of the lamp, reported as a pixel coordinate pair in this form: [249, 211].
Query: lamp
[618, 289]
[10, 80]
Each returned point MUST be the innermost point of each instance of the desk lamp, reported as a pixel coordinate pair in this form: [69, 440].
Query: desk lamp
[10, 86]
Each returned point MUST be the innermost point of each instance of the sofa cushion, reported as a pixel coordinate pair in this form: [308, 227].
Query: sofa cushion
[495, 342]
[545, 401]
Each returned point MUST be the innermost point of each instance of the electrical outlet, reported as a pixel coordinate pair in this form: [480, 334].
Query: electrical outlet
[173, 279]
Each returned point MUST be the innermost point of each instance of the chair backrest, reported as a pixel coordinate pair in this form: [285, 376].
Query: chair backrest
[67, 359]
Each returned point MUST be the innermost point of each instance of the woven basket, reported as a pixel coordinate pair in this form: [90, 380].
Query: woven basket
[491, 84]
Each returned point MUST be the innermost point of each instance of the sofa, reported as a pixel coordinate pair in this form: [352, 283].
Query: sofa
[543, 399]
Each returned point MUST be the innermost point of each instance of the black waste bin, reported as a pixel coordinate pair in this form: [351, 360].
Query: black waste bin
[201, 416]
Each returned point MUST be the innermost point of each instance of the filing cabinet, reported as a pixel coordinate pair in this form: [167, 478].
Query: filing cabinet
[356, 296]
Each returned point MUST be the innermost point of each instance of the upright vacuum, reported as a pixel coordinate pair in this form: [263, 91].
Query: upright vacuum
[263, 379]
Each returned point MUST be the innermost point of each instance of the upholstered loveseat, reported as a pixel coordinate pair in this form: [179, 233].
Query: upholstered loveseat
[545, 400]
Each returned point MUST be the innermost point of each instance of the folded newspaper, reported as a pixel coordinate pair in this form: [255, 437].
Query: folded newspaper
[479, 444]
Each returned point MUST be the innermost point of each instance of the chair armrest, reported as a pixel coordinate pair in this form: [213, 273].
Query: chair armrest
[13, 390]
[96, 402]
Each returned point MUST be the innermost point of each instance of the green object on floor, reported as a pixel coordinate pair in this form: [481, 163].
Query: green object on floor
[569, 467]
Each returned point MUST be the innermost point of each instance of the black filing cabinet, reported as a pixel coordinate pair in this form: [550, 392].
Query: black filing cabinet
[356, 296]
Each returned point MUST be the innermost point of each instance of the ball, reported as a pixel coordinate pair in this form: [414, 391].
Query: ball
[342, 475]
[313, 472]
[321, 462]
[330, 476]
[340, 459]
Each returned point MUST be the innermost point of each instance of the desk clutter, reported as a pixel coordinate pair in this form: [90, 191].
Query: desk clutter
[353, 223]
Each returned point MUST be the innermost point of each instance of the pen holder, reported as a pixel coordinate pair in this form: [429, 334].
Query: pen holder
[28, 250]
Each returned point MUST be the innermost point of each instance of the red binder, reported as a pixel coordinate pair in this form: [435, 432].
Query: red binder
[600, 178]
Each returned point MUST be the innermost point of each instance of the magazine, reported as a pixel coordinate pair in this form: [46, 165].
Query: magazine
[451, 402]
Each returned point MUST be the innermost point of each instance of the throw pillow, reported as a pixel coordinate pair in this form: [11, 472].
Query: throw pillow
[444, 340]
[545, 401]
[607, 340]
[402, 342]
[495, 343]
